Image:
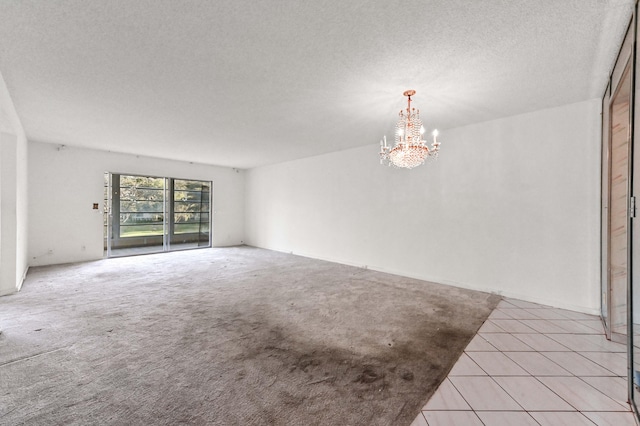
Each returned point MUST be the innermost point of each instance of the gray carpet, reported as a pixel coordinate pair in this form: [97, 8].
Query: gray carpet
[232, 336]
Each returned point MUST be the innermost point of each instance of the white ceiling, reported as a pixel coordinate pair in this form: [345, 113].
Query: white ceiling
[244, 83]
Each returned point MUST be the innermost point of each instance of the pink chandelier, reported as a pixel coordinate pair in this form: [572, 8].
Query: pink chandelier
[410, 149]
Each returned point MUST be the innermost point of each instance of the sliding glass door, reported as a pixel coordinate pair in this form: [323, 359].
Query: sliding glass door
[190, 211]
[620, 256]
[148, 214]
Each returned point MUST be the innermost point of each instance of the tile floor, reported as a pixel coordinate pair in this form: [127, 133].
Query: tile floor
[534, 365]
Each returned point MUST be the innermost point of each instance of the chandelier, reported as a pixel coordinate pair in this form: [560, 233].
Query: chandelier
[409, 150]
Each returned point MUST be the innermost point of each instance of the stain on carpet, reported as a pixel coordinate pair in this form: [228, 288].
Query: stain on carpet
[234, 336]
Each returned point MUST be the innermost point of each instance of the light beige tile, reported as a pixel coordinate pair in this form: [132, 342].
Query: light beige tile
[614, 387]
[506, 342]
[581, 395]
[577, 326]
[479, 344]
[595, 324]
[537, 364]
[506, 418]
[612, 361]
[520, 314]
[446, 398]
[607, 344]
[523, 304]
[583, 342]
[506, 305]
[448, 418]
[548, 314]
[483, 393]
[576, 315]
[531, 394]
[490, 327]
[465, 366]
[540, 342]
[419, 421]
[611, 419]
[577, 364]
[500, 314]
[513, 326]
[497, 364]
[544, 326]
[519, 329]
[556, 418]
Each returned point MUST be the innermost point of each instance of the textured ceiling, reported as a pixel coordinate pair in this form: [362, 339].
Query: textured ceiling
[244, 83]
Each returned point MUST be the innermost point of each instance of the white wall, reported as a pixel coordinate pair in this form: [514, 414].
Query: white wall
[8, 216]
[22, 209]
[64, 182]
[512, 207]
[13, 196]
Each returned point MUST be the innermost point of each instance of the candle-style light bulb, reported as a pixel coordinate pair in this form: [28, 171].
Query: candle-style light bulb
[435, 135]
[422, 130]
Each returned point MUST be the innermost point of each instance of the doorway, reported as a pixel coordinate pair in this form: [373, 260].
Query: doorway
[149, 214]
[620, 259]
[618, 212]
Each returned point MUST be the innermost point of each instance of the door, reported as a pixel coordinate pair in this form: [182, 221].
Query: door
[148, 214]
[617, 145]
[620, 232]
[618, 212]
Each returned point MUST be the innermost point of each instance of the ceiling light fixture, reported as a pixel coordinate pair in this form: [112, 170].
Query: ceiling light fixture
[409, 150]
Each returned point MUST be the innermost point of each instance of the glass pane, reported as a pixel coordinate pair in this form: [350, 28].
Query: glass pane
[190, 207]
[189, 185]
[190, 228]
[141, 194]
[141, 182]
[140, 218]
[105, 213]
[188, 196]
[618, 198]
[140, 230]
[186, 218]
[635, 266]
[137, 214]
[604, 276]
[141, 206]
[187, 206]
